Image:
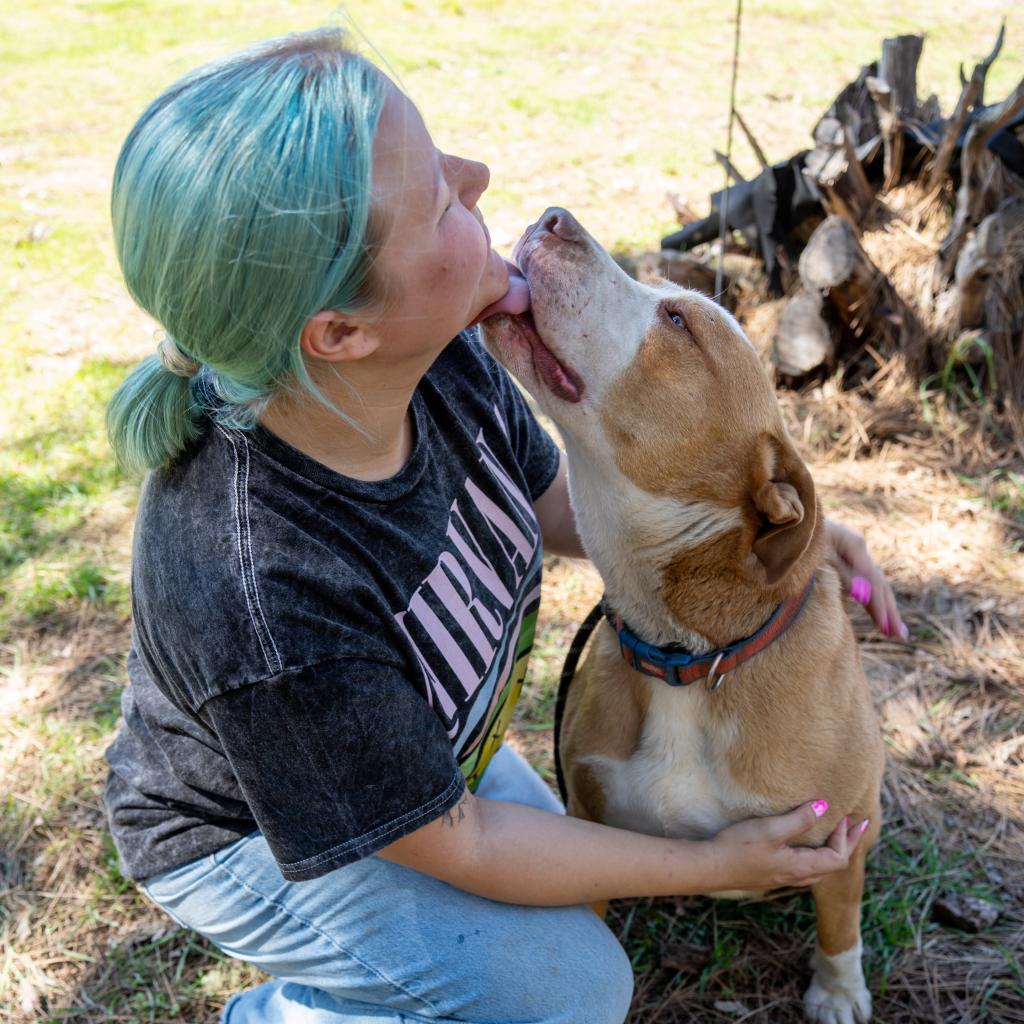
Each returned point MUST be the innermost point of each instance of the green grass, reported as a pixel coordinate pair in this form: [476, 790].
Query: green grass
[906, 872]
[56, 477]
[602, 107]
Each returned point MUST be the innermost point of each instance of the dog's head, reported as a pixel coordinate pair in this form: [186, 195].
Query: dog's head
[658, 385]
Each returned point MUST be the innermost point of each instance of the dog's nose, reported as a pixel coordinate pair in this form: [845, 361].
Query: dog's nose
[562, 224]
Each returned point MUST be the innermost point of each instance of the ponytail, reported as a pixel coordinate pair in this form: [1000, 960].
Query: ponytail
[152, 417]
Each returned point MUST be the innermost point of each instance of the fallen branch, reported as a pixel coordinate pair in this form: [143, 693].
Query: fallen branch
[758, 152]
[730, 167]
[971, 95]
[984, 181]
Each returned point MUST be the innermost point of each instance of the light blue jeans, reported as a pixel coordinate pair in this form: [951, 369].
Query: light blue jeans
[374, 941]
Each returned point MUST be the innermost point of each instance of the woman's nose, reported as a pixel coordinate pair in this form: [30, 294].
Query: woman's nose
[474, 179]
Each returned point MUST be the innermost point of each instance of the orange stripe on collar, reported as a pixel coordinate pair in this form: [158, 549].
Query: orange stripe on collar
[680, 668]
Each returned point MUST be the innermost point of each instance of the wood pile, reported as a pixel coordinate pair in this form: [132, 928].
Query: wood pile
[898, 236]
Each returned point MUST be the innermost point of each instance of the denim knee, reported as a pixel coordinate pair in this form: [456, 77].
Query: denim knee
[606, 986]
[585, 977]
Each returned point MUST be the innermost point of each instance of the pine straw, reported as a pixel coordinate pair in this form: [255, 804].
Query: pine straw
[77, 943]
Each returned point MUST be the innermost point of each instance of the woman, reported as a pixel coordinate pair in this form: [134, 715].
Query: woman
[336, 572]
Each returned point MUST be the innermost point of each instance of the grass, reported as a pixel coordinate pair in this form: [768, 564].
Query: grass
[602, 107]
[56, 478]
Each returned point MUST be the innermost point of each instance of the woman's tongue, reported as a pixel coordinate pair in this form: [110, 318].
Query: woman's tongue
[515, 300]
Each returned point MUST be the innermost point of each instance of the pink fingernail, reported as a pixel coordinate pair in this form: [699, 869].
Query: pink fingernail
[885, 625]
[860, 589]
[864, 825]
[904, 632]
[819, 807]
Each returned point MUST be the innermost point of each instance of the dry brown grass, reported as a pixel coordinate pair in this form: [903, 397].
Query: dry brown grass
[931, 485]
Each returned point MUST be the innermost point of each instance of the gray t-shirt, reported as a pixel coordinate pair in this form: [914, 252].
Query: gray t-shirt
[326, 659]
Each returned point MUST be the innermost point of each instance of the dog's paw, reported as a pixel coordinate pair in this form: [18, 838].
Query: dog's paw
[837, 994]
[828, 1006]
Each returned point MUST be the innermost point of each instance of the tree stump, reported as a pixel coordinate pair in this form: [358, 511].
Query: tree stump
[984, 182]
[834, 264]
[895, 94]
[803, 341]
[984, 255]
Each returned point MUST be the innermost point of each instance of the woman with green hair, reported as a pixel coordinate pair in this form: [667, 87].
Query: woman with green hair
[336, 574]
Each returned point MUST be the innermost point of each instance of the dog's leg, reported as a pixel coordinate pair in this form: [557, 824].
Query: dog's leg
[837, 994]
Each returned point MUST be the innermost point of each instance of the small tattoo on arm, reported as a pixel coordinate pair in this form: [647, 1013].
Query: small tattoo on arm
[449, 816]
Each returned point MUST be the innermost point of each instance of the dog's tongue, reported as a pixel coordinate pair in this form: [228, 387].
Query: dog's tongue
[515, 300]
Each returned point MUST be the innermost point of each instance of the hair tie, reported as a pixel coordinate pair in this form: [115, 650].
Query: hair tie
[174, 359]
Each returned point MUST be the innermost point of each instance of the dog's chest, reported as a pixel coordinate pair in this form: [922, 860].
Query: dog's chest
[677, 783]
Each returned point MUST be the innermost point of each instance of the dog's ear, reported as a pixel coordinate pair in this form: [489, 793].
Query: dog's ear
[782, 496]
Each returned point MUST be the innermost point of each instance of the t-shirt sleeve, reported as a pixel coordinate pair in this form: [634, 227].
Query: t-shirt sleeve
[335, 761]
[534, 449]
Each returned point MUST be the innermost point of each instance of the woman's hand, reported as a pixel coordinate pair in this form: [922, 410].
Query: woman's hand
[862, 578]
[754, 854]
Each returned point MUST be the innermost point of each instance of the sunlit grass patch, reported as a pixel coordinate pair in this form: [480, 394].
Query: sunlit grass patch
[56, 476]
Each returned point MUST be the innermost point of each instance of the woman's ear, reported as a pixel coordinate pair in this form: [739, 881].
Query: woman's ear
[331, 336]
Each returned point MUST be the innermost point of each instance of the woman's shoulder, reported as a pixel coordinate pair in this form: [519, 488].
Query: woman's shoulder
[228, 506]
[227, 541]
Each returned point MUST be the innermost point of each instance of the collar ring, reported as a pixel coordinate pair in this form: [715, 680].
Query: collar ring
[713, 681]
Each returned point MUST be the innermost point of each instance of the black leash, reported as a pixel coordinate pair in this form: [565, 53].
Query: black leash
[572, 658]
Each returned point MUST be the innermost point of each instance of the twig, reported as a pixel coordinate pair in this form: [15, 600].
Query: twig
[730, 167]
[724, 215]
[758, 152]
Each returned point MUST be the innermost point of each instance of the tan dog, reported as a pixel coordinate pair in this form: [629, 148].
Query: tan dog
[702, 520]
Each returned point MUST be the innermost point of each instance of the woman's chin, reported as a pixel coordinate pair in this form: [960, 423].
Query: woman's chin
[513, 297]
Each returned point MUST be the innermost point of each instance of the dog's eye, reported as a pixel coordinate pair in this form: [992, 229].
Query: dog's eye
[675, 318]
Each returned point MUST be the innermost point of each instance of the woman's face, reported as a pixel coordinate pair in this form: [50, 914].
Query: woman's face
[437, 266]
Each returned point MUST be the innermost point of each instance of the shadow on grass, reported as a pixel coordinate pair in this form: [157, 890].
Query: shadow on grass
[692, 955]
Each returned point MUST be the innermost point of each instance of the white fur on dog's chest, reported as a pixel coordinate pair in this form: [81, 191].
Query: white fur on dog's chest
[677, 783]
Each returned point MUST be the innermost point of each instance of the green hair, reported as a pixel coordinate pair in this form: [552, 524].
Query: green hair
[241, 207]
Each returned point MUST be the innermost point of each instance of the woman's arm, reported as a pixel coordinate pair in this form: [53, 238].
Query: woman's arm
[556, 517]
[517, 854]
[862, 579]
